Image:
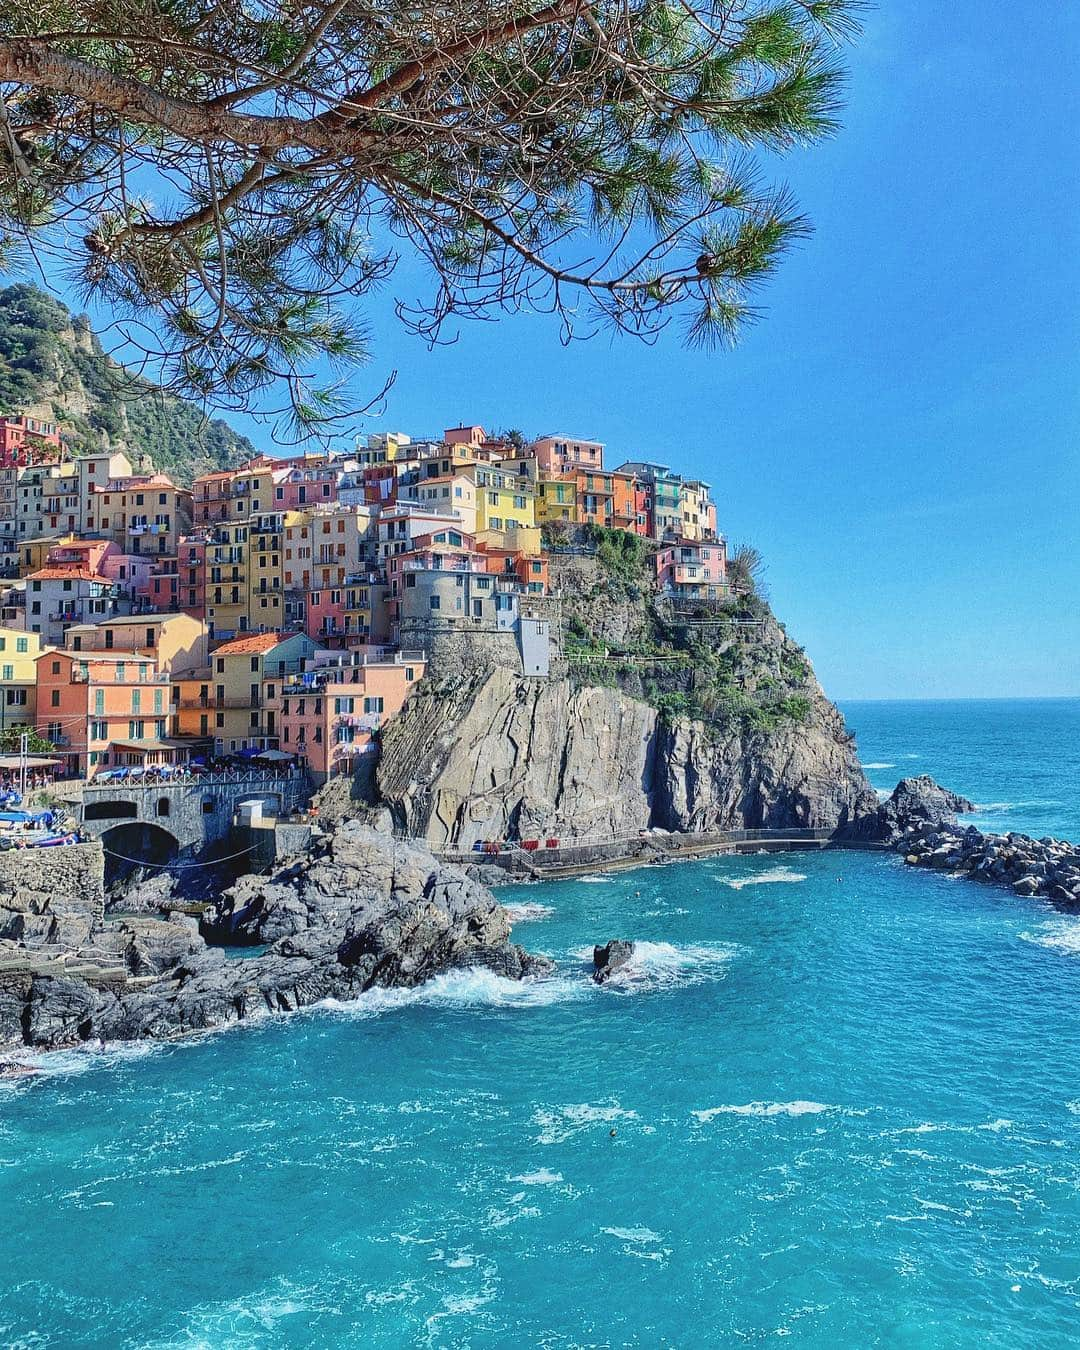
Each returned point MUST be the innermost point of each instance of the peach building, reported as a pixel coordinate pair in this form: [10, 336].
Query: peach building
[556, 454]
[104, 710]
[332, 714]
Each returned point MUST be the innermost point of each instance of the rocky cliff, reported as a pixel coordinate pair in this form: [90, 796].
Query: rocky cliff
[657, 722]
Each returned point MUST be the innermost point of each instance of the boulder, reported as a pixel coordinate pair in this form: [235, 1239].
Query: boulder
[610, 958]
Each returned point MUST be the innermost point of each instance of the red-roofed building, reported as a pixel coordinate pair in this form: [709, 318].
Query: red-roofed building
[57, 597]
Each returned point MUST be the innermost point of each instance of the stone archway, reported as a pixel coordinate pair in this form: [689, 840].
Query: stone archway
[135, 845]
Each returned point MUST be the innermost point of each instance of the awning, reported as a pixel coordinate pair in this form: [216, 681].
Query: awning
[274, 755]
[149, 745]
[31, 762]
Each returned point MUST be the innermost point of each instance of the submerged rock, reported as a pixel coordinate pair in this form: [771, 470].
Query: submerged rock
[611, 958]
[358, 911]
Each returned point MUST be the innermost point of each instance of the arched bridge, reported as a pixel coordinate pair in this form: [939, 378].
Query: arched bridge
[184, 817]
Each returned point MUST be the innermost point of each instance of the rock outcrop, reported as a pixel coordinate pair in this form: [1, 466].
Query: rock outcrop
[358, 911]
[494, 756]
[609, 959]
[915, 804]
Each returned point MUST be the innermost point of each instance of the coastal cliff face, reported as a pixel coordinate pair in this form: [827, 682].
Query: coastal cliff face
[490, 755]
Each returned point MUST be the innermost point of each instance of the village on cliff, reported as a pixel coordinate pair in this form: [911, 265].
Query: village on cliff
[282, 611]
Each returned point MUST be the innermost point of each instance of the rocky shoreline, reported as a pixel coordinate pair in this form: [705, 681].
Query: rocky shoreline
[358, 911]
[362, 910]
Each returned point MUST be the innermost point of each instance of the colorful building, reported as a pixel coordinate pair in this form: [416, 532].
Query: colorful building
[557, 454]
[19, 652]
[693, 569]
[332, 714]
[236, 699]
[57, 597]
[103, 711]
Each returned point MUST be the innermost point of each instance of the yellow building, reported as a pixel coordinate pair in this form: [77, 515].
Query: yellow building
[265, 572]
[226, 580]
[503, 500]
[175, 642]
[60, 506]
[154, 513]
[18, 677]
[237, 699]
[451, 492]
[556, 498]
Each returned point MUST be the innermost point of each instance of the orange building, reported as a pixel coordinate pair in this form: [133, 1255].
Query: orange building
[104, 710]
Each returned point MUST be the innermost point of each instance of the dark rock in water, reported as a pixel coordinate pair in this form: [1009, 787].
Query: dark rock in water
[359, 910]
[611, 958]
[915, 804]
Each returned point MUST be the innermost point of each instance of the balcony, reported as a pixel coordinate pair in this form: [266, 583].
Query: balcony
[448, 563]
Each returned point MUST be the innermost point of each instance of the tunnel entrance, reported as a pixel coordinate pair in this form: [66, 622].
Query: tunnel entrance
[136, 851]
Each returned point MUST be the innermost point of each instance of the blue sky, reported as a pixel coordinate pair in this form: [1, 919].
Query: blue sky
[899, 434]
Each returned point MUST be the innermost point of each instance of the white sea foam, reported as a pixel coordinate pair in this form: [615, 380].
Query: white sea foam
[762, 1109]
[528, 913]
[601, 880]
[472, 988]
[1074, 1107]
[632, 1234]
[541, 1177]
[559, 1123]
[661, 965]
[880, 764]
[1058, 935]
[774, 876]
[1014, 806]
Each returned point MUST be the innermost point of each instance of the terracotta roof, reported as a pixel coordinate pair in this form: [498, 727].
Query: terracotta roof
[68, 574]
[257, 642]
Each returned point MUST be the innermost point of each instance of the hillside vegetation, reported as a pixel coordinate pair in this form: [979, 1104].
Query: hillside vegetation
[732, 667]
[54, 367]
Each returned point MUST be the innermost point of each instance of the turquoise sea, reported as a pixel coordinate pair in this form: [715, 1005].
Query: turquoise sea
[845, 1096]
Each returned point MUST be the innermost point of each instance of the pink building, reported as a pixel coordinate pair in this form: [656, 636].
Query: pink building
[557, 454]
[332, 714]
[693, 569]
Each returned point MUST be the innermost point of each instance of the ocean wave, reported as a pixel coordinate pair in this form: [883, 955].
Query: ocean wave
[1057, 935]
[528, 913]
[661, 965]
[541, 1177]
[1015, 806]
[773, 876]
[880, 764]
[601, 880]
[43, 1064]
[475, 987]
[765, 1109]
[560, 1123]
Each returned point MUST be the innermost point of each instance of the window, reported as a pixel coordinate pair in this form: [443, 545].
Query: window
[54, 701]
[9, 672]
[136, 700]
[255, 664]
[56, 667]
[120, 672]
[159, 697]
[373, 705]
[434, 602]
